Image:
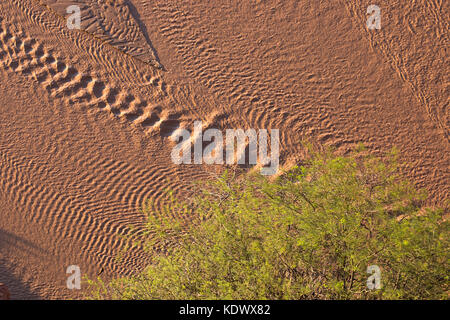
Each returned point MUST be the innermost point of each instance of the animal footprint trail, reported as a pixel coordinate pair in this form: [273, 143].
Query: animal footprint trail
[24, 55]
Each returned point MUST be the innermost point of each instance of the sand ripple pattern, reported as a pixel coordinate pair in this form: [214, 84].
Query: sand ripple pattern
[252, 97]
[94, 209]
[108, 197]
[427, 22]
[23, 54]
[113, 22]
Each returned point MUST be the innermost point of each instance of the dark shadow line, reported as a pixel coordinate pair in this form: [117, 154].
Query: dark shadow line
[18, 289]
[143, 28]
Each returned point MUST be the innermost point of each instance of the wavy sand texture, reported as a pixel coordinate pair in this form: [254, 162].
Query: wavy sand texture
[86, 117]
[115, 22]
[313, 70]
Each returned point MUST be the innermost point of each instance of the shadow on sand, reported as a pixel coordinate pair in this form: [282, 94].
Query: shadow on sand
[143, 28]
[17, 288]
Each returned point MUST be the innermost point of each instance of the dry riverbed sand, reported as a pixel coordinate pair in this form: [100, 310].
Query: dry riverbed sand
[86, 115]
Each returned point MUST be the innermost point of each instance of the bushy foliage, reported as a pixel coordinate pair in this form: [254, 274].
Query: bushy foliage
[309, 234]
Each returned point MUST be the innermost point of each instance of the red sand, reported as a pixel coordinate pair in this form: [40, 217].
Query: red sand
[86, 115]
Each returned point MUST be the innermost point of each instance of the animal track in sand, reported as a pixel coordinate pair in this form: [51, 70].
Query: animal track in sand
[26, 56]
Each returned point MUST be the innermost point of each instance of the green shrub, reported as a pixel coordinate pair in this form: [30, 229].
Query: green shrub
[309, 234]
